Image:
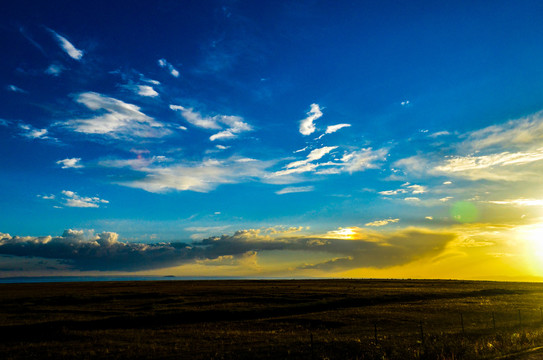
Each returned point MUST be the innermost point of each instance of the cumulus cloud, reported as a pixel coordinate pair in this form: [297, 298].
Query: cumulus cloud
[163, 63]
[104, 251]
[72, 163]
[295, 189]
[234, 125]
[67, 46]
[115, 118]
[72, 199]
[307, 127]
[378, 223]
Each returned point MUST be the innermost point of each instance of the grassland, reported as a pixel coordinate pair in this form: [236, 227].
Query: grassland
[280, 319]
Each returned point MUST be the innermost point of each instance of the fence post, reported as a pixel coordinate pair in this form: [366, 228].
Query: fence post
[462, 322]
[493, 321]
[311, 345]
[375, 331]
[421, 333]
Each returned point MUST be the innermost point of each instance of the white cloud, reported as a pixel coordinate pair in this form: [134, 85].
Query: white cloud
[439, 133]
[305, 165]
[33, 133]
[68, 47]
[363, 159]
[378, 223]
[120, 118]
[445, 199]
[54, 69]
[201, 176]
[142, 90]
[72, 199]
[15, 89]
[306, 125]
[295, 189]
[467, 163]
[234, 124]
[166, 65]
[405, 103]
[333, 128]
[447, 182]
[413, 199]
[47, 197]
[429, 217]
[72, 163]
[518, 202]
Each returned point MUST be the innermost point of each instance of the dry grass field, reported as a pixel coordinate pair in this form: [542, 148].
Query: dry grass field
[275, 319]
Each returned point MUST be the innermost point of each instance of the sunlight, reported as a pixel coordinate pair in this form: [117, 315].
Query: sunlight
[533, 235]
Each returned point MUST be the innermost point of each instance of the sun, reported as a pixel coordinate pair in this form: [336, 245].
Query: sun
[532, 235]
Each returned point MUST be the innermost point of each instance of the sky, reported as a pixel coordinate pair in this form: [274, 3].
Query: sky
[386, 139]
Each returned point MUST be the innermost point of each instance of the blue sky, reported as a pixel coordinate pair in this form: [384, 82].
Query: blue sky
[252, 122]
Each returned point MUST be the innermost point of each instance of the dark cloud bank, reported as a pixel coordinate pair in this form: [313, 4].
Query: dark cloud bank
[104, 252]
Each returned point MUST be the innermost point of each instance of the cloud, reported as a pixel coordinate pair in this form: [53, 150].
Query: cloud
[72, 163]
[333, 128]
[510, 151]
[142, 90]
[352, 161]
[379, 223]
[518, 202]
[166, 65]
[305, 165]
[15, 89]
[295, 189]
[469, 163]
[115, 118]
[67, 46]
[405, 103]
[306, 125]
[438, 134]
[88, 251]
[235, 125]
[72, 199]
[32, 133]
[406, 188]
[54, 70]
[201, 176]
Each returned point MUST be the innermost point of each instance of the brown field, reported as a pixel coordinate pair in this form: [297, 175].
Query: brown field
[276, 319]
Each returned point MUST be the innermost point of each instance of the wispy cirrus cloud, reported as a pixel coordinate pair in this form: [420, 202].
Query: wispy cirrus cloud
[115, 118]
[15, 89]
[201, 176]
[510, 151]
[32, 133]
[307, 127]
[67, 46]
[54, 70]
[232, 126]
[163, 63]
[295, 189]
